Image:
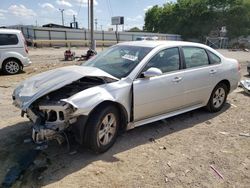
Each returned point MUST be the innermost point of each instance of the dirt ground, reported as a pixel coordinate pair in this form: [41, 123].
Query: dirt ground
[176, 152]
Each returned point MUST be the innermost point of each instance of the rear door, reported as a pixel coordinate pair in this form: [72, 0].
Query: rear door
[160, 94]
[200, 75]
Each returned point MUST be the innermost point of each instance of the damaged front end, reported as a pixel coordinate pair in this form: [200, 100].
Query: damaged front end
[50, 119]
[46, 106]
[51, 115]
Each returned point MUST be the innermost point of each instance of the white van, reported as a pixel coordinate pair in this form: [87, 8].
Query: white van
[13, 51]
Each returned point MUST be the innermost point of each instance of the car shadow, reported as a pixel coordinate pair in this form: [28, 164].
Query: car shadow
[4, 74]
[59, 163]
[247, 75]
[244, 93]
[77, 60]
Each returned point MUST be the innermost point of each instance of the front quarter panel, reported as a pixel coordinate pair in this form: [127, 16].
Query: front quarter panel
[85, 101]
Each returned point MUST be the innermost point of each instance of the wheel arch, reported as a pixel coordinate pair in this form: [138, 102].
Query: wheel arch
[227, 83]
[82, 126]
[12, 58]
[209, 107]
[123, 114]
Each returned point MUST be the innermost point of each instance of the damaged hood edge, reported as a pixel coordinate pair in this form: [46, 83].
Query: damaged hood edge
[39, 85]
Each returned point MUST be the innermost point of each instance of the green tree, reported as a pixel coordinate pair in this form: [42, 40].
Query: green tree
[152, 18]
[197, 18]
[237, 21]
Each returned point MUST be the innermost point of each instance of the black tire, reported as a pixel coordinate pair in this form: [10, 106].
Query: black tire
[11, 66]
[217, 98]
[95, 125]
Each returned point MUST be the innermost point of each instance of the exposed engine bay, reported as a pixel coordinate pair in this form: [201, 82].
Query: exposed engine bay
[51, 116]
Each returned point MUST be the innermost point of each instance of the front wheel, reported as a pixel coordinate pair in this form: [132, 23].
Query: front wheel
[102, 129]
[217, 98]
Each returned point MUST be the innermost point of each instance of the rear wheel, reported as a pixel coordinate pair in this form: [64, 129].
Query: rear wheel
[11, 66]
[102, 129]
[217, 98]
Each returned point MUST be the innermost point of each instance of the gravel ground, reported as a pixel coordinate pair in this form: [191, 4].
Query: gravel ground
[176, 152]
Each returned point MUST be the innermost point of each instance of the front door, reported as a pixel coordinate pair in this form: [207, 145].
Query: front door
[160, 94]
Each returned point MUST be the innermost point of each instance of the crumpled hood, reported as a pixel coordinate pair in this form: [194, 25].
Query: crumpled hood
[39, 85]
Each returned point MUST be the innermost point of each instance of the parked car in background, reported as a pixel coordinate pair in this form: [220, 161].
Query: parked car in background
[126, 86]
[146, 38]
[13, 51]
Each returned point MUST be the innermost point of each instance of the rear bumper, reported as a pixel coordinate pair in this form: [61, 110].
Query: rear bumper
[234, 86]
[26, 62]
[234, 81]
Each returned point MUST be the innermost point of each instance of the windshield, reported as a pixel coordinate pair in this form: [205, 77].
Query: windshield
[119, 60]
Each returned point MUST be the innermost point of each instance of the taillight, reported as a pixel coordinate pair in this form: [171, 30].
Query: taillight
[25, 44]
[26, 48]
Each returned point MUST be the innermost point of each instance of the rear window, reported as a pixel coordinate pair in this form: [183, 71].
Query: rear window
[214, 59]
[195, 57]
[8, 39]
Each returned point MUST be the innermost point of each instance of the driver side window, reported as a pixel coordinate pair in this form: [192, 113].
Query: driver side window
[166, 60]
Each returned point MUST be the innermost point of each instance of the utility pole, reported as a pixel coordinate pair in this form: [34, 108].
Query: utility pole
[74, 24]
[62, 15]
[101, 27]
[96, 24]
[88, 14]
[74, 21]
[92, 24]
[116, 33]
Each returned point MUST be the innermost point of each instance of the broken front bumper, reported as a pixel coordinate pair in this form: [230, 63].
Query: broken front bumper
[50, 121]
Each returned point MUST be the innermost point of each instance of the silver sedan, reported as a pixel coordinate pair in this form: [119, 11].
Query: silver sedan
[126, 86]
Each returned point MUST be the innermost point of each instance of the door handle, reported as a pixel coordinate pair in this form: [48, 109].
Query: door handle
[212, 71]
[177, 79]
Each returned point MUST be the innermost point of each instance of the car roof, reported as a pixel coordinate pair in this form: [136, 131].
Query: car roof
[9, 31]
[166, 43]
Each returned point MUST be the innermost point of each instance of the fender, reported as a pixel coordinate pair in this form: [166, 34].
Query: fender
[85, 101]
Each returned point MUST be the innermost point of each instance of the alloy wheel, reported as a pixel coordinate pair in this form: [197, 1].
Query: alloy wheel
[107, 129]
[219, 97]
[12, 67]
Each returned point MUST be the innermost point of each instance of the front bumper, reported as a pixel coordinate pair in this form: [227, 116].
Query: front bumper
[54, 120]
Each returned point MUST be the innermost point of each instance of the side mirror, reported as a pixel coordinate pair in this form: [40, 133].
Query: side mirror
[151, 72]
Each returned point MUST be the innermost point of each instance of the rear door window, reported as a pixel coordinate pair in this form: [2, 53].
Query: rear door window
[8, 39]
[195, 57]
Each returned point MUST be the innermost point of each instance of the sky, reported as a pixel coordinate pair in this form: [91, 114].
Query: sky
[39, 12]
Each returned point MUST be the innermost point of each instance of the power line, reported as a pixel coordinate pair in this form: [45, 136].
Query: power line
[80, 6]
[110, 8]
[88, 13]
